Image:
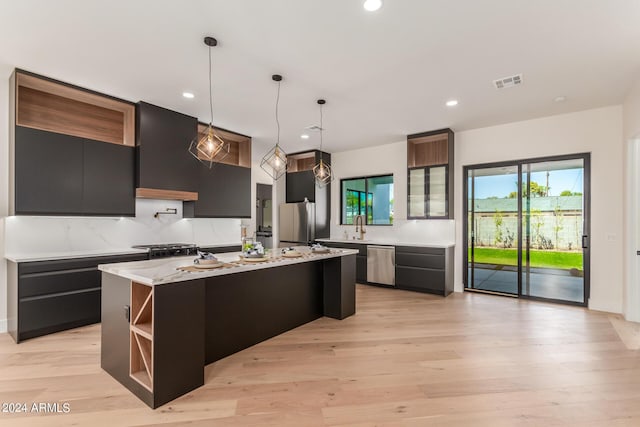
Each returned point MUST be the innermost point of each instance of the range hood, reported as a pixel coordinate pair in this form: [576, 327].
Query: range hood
[165, 169]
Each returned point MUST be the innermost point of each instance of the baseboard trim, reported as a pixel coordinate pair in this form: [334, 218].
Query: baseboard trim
[3, 325]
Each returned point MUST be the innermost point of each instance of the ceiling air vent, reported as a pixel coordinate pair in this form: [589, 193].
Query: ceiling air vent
[314, 128]
[508, 81]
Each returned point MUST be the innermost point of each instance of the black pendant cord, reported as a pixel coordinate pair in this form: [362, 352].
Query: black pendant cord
[210, 91]
[277, 120]
[321, 128]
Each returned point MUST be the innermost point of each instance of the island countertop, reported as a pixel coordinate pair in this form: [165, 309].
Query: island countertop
[167, 270]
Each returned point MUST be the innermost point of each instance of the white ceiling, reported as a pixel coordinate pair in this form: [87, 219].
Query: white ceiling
[384, 74]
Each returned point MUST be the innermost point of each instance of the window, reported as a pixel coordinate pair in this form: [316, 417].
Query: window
[369, 196]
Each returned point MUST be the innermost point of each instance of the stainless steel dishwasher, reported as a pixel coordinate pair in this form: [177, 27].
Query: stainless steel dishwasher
[381, 264]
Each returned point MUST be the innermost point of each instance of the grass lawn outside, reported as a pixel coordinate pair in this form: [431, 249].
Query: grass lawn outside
[538, 258]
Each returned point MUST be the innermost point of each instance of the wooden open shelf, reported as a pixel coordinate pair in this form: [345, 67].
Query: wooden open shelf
[55, 107]
[428, 150]
[141, 335]
[239, 146]
[301, 162]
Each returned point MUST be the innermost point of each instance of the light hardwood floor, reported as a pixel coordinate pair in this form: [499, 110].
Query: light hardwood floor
[405, 359]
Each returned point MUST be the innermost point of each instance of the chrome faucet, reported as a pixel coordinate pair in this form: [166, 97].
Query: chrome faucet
[360, 218]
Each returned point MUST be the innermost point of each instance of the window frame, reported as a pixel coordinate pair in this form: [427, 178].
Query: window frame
[366, 191]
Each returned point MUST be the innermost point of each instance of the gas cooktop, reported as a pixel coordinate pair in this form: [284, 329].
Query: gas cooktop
[158, 250]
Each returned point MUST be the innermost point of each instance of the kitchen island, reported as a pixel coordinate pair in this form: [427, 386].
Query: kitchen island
[163, 320]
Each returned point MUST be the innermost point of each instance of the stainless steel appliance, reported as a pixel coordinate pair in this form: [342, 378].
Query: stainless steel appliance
[381, 264]
[161, 250]
[297, 223]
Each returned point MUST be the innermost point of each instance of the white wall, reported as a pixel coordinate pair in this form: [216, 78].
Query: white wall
[597, 131]
[5, 72]
[631, 121]
[381, 160]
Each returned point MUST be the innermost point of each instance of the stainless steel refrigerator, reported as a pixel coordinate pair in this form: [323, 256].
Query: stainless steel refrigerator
[297, 223]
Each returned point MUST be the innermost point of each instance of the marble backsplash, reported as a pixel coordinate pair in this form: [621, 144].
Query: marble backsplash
[439, 231]
[26, 234]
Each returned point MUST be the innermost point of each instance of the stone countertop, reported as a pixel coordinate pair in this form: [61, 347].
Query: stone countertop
[165, 270]
[52, 256]
[389, 242]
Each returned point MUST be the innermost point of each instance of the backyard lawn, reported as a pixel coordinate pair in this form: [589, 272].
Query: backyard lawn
[548, 259]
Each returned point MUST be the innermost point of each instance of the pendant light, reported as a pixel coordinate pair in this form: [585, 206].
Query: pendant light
[322, 171]
[275, 161]
[210, 147]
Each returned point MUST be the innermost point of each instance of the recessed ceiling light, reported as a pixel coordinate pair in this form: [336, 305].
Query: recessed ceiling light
[188, 95]
[372, 5]
[559, 99]
[304, 136]
[452, 103]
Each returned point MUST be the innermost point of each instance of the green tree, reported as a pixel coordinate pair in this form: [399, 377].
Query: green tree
[497, 220]
[535, 190]
[565, 193]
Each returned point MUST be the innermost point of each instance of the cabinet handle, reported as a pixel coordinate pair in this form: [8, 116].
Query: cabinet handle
[127, 313]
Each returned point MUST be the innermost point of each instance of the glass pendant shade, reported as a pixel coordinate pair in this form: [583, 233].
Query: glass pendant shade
[323, 174]
[209, 148]
[275, 162]
[322, 171]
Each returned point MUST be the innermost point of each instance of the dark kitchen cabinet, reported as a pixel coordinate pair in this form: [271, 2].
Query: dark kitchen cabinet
[108, 179]
[48, 172]
[58, 174]
[361, 258]
[51, 296]
[223, 192]
[162, 140]
[301, 185]
[72, 150]
[425, 269]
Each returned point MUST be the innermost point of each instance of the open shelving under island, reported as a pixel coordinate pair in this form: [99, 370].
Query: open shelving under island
[161, 324]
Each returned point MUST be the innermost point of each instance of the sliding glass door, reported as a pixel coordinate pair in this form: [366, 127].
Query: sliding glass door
[527, 228]
[493, 229]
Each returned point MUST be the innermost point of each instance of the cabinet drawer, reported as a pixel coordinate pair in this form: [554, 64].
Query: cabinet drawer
[420, 250]
[420, 260]
[75, 263]
[58, 281]
[43, 315]
[421, 279]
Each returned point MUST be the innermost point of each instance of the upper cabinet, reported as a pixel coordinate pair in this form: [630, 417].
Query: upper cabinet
[71, 150]
[166, 170]
[224, 191]
[301, 185]
[430, 163]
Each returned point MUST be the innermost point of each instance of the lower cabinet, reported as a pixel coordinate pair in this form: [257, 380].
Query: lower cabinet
[52, 296]
[361, 258]
[421, 269]
[425, 269]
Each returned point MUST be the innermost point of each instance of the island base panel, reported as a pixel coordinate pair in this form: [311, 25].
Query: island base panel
[178, 347]
[339, 287]
[246, 308]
